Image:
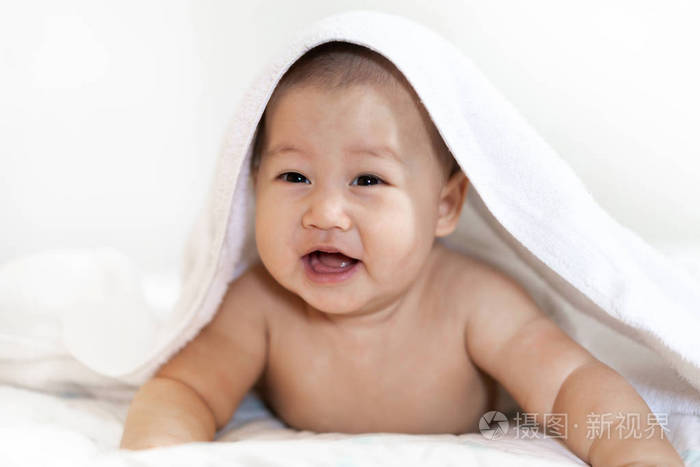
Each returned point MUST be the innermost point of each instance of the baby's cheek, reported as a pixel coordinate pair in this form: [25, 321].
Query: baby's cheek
[269, 235]
[391, 234]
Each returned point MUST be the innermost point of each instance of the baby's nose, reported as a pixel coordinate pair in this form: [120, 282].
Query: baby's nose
[327, 209]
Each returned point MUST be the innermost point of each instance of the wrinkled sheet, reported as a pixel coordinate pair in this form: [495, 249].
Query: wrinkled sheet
[40, 429]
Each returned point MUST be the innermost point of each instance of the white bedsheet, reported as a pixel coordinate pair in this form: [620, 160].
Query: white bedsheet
[40, 429]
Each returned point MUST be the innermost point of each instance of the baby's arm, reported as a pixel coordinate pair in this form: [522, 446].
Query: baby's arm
[198, 390]
[547, 372]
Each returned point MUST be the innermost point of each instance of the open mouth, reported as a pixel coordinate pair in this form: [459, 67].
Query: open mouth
[329, 263]
[324, 267]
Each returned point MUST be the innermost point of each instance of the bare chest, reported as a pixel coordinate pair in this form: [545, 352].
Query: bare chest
[411, 379]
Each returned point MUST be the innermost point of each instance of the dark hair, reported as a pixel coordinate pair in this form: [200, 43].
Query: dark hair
[336, 64]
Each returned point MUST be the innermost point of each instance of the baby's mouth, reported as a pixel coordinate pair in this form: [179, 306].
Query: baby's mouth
[325, 263]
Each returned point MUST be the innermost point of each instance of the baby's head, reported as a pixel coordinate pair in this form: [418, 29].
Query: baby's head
[346, 156]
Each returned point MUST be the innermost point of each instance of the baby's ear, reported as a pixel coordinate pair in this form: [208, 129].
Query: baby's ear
[450, 205]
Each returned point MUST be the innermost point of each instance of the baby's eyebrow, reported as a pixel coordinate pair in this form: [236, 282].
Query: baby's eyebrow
[382, 152]
[280, 149]
[378, 151]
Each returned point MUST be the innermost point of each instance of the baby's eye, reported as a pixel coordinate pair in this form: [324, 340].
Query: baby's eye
[297, 177]
[369, 180]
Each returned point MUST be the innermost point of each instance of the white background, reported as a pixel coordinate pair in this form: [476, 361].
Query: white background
[112, 113]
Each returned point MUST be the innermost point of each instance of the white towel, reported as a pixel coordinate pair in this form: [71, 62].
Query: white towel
[526, 213]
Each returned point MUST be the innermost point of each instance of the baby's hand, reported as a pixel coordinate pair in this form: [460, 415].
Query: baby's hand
[615, 450]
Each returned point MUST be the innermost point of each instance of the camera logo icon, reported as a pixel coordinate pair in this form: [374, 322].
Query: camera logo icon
[493, 425]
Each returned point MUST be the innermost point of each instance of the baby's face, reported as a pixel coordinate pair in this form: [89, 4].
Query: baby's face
[327, 176]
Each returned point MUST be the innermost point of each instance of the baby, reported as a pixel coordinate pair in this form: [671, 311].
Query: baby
[358, 318]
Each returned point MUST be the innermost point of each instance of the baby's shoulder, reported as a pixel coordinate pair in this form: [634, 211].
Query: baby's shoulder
[259, 292]
[470, 284]
[467, 275]
[257, 289]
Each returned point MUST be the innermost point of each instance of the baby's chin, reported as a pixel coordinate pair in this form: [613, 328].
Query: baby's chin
[335, 302]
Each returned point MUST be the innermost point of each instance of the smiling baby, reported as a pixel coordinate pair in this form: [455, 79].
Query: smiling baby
[357, 318]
